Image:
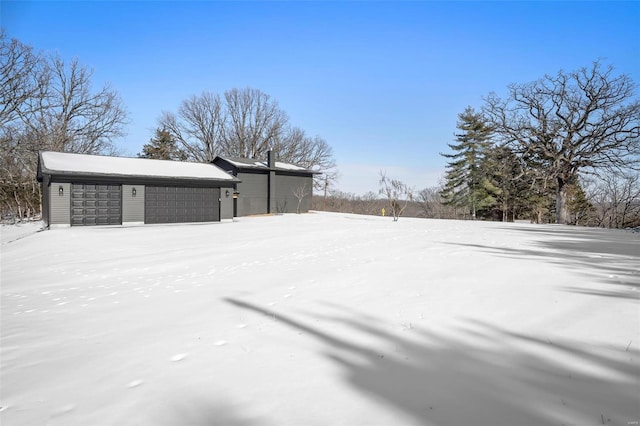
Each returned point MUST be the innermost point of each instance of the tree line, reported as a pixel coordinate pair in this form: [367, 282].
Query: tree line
[240, 123]
[562, 149]
[47, 103]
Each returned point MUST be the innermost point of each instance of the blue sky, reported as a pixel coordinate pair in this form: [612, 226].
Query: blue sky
[382, 82]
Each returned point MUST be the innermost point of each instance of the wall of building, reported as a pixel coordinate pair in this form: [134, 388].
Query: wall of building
[44, 187]
[286, 188]
[226, 203]
[253, 191]
[132, 204]
[59, 204]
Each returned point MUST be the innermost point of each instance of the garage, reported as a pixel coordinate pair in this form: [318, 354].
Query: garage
[174, 204]
[96, 204]
[85, 190]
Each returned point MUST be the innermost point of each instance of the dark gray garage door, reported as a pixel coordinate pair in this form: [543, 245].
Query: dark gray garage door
[169, 204]
[96, 204]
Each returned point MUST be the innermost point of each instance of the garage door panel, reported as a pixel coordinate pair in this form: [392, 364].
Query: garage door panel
[181, 204]
[96, 204]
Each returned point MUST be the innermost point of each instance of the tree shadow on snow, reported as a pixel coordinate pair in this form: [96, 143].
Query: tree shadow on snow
[198, 411]
[479, 374]
[612, 255]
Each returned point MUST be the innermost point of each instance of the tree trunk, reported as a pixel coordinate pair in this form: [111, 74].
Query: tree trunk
[562, 211]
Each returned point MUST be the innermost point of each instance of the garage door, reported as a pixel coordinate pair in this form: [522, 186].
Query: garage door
[96, 204]
[169, 204]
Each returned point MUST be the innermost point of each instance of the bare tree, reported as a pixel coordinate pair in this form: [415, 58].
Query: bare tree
[571, 122]
[245, 123]
[66, 115]
[48, 104]
[616, 199]
[198, 127]
[398, 195]
[429, 200]
[369, 203]
[313, 153]
[254, 123]
[300, 192]
[22, 77]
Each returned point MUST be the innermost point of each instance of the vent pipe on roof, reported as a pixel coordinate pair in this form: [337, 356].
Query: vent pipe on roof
[271, 159]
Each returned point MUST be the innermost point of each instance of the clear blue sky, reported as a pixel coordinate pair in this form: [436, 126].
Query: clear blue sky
[382, 82]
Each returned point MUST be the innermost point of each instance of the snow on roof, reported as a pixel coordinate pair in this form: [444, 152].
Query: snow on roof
[242, 162]
[287, 166]
[68, 163]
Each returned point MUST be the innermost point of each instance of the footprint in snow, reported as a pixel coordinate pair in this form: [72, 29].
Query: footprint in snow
[134, 383]
[177, 357]
[66, 408]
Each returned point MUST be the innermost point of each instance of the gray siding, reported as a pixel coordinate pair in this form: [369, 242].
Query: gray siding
[273, 201]
[253, 191]
[285, 188]
[45, 199]
[132, 206]
[60, 205]
[226, 203]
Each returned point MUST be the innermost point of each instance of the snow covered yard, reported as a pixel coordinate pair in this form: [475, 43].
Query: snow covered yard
[320, 319]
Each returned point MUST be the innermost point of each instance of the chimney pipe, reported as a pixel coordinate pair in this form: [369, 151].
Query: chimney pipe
[271, 159]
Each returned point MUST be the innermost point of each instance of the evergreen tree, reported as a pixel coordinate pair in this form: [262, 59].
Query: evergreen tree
[466, 180]
[508, 173]
[162, 147]
[580, 208]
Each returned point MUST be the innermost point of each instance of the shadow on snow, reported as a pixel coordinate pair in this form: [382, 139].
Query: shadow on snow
[612, 255]
[485, 375]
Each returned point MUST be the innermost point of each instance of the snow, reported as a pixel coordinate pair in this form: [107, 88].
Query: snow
[62, 162]
[287, 166]
[264, 165]
[320, 319]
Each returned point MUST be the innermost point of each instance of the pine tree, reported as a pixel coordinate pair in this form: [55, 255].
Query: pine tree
[162, 147]
[466, 180]
[579, 205]
[507, 173]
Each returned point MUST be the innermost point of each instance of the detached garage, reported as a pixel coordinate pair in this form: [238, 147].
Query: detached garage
[82, 190]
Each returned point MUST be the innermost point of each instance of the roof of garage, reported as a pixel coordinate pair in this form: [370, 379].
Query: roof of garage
[62, 163]
[252, 164]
